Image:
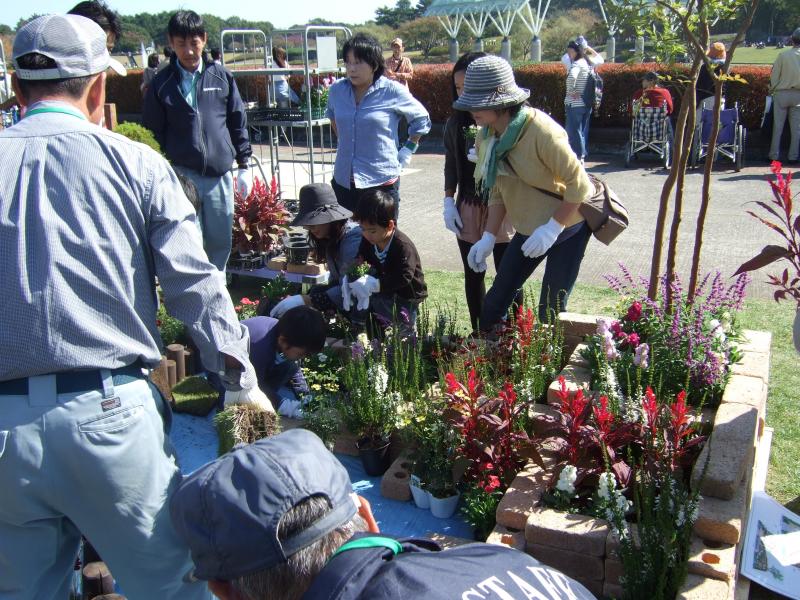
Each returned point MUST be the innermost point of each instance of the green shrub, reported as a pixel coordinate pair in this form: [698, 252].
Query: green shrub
[137, 133]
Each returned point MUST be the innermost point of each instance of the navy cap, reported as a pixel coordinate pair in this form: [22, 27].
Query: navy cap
[228, 511]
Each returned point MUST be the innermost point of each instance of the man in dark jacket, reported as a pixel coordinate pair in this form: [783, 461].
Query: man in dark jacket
[278, 519]
[194, 109]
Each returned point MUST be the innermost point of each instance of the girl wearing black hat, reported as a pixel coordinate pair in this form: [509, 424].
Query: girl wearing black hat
[335, 240]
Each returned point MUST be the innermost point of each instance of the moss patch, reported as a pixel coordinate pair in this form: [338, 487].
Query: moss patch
[195, 396]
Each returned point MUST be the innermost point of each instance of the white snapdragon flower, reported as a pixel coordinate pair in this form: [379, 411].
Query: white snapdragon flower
[606, 486]
[379, 377]
[566, 479]
[363, 339]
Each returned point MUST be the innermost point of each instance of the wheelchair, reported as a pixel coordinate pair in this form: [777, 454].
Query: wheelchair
[731, 138]
[650, 130]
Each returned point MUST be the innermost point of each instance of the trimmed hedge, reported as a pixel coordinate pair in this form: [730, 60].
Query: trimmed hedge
[431, 85]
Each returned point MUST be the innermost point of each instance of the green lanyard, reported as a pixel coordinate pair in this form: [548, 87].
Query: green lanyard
[371, 542]
[55, 109]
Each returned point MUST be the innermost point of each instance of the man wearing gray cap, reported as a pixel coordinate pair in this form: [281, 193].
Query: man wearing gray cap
[88, 220]
[278, 520]
[785, 86]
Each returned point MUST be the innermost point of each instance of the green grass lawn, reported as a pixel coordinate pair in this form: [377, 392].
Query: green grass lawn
[754, 56]
[783, 481]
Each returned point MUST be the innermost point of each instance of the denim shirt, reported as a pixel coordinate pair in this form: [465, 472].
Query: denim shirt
[367, 132]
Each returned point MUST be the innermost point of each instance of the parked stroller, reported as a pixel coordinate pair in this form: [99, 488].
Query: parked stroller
[650, 130]
[730, 139]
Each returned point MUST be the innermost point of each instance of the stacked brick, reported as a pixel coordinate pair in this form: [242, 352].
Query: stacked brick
[585, 549]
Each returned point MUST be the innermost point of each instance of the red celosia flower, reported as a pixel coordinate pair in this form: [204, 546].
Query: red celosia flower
[603, 416]
[650, 406]
[678, 410]
[525, 321]
[634, 312]
[633, 340]
[616, 328]
[492, 484]
[453, 387]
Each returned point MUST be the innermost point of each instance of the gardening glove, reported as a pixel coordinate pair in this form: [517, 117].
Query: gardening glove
[452, 220]
[252, 396]
[472, 155]
[241, 182]
[542, 238]
[362, 288]
[345, 286]
[286, 304]
[404, 157]
[480, 251]
[291, 408]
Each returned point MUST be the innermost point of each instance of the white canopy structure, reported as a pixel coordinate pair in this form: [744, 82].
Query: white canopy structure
[476, 15]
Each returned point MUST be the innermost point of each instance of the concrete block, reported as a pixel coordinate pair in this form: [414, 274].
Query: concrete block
[503, 536]
[751, 391]
[575, 378]
[570, 343]
[753, 364]
[315, 269]
[577, 533]
[576, 357]
[729, 451]
[578, 324]
[572, 564]
[277, 264]
[613, 570]
[612, 542]
[293, 268]
[756, 341]
[394, 483]
[712, 559]
[521, 497]
[612, 590]
[721, 520]
[160, 378]
[542, 409]
[702, 588]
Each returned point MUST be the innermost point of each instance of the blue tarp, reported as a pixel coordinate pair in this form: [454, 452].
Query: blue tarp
[195, 440]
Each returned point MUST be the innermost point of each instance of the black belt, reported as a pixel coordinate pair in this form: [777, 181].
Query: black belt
[70, 382]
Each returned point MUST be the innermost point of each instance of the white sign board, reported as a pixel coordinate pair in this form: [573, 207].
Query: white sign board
[770, 547]
[326, 53]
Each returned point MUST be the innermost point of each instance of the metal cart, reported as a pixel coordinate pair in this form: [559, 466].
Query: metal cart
[299, 140]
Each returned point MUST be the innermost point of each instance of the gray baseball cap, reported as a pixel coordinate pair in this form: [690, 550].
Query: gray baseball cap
[75, 43]
[228, 511]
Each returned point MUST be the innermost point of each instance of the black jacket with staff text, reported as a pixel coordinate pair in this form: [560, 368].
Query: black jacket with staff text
[205, 140]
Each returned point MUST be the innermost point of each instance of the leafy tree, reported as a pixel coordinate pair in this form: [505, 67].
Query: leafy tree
[394, 17]
[5, 30]
[423, 34]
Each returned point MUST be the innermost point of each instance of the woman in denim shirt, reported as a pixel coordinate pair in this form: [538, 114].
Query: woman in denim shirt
[365, 109]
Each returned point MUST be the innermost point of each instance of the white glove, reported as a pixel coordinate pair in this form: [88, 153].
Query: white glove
[542, 238]
[480, 251]
[241, 182]
[345, 286]
[452, 220]
[472, 155]
[404, 157]
[362, 288]
[286, 304]
[253, 396]
[291, 409]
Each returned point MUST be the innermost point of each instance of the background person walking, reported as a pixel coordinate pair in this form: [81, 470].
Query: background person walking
[785, 84]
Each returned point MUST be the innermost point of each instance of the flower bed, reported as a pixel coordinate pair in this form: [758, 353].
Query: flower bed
[586, 548]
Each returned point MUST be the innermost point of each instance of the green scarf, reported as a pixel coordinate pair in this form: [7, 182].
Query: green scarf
[493, 150]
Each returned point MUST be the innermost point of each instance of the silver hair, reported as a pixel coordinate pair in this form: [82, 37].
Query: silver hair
[292, 579]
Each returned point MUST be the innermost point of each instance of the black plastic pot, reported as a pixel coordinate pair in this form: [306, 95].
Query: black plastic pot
[374, 454]
[297, 251]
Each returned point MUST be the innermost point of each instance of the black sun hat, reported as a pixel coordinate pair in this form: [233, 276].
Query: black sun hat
[318, 205]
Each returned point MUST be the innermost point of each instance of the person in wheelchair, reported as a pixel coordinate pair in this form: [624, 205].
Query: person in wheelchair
[651, 94]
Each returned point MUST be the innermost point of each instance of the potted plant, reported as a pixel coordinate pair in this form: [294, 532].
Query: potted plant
[444, 495]
[367, 408]
[257, 220]
[782, 219]
[323, 419]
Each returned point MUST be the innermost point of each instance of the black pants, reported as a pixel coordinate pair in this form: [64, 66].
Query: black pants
[349, 197]
[474, 284]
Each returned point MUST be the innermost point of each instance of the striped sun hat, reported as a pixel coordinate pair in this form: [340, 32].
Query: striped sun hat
[489, 84]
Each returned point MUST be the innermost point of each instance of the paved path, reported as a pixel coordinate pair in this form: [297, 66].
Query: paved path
[731, 236]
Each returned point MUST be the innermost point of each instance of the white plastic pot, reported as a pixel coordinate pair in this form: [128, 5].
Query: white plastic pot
[421, 497]
[443, 508]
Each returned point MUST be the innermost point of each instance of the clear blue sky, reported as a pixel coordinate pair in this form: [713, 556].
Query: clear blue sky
[281, 13]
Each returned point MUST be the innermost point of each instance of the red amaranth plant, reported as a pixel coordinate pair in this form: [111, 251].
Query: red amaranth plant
[257, 218]
[787, 225]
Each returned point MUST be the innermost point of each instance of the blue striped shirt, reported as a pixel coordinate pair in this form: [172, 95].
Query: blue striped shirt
[367, 132]
[88, 220]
